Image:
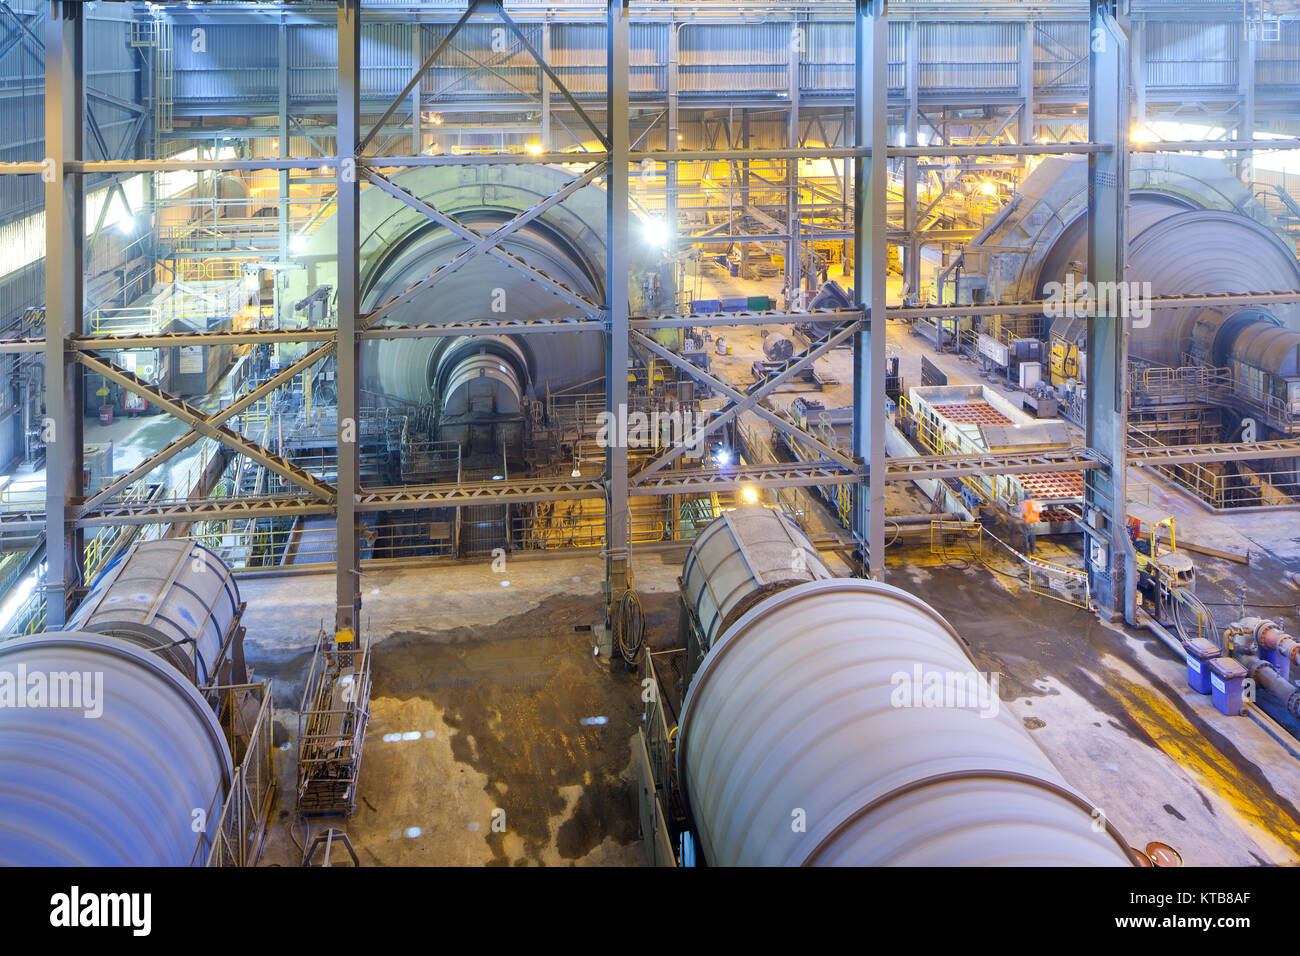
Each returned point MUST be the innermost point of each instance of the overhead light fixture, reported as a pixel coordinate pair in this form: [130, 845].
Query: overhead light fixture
[749, 494]
[534, 149]
[298, 245]
[656, 232]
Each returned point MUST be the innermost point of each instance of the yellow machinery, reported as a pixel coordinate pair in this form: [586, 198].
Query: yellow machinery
[1164, 577]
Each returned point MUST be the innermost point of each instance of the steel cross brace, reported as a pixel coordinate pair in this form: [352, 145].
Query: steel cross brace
[203, 424]
[744, 401]
[603, 138]
[419, 73]
[455, 226]
[216, 419]
[486, 243]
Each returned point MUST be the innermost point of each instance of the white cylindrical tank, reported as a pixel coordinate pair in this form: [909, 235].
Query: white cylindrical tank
[172, 596]
[740, 558]
[807, 738]
[118, 761]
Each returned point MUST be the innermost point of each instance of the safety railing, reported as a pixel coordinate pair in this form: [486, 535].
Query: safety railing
[963, 542]
[1222, 489]
[247, 716]
[332, 722]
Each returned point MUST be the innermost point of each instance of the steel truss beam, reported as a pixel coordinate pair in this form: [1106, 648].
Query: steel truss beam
[689, 481]
[453, 225]
[484, 327]
[189, 510]
[745, 401]
[95, 343]
[445, 494]
[202, 424]
[1206, 454]
[969, 466]
[782, 475]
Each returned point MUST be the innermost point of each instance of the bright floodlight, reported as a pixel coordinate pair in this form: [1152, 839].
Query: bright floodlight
[298, 244]
[656, 232]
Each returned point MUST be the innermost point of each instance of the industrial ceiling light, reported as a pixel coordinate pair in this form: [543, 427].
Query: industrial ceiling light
[656, 232]
[749, 494]
[534, 149]
[298, 245]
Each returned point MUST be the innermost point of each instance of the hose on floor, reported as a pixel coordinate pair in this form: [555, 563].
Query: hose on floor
[629, 627]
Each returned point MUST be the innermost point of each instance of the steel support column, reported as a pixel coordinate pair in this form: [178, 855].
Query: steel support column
[1246, 128]
[348, 569]
[794, 247]
[64, 317]
[912, 258]
[617, 558]
[417, 57]
[282, 213]
[672, 133]
[871, 128]
[1026, 83]
[1111, 563]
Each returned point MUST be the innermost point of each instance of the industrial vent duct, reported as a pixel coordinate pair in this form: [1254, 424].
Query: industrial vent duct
[174, 598]
[113, 764]
[796, 717]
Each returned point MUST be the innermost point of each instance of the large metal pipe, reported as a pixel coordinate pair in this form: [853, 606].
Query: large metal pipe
[175, 598]
[109, 756]
[1272, 683]
[809, 736]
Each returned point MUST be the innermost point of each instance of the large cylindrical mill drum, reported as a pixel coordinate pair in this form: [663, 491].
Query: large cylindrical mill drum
[118, 761]
[811, 736]
[741, 558]
[173, 597]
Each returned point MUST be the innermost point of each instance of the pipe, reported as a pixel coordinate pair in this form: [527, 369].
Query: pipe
[123, 763]
[1268, 680]
[1270, 635]
[808, 737]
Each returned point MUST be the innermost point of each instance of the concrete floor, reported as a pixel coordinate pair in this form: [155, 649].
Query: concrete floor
[1113, 711]
[514, 713]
